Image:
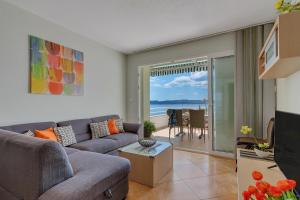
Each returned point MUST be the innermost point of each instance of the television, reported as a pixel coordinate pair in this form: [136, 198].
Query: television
[287, 145]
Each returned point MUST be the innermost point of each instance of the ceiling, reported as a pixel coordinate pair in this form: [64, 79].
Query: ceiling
[135, 25]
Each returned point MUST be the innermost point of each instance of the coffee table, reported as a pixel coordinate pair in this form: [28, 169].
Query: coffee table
[148, 165]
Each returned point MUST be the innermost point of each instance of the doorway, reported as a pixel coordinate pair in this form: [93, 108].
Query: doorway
[181, 92]
[218, 104]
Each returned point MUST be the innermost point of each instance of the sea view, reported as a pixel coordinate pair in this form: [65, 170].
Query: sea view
[160, 107]
[178, 91]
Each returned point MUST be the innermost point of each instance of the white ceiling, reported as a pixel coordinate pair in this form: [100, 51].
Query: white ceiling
[134, 25]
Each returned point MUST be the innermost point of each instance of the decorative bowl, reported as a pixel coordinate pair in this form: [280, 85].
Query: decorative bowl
[262, 154]
[147, 142]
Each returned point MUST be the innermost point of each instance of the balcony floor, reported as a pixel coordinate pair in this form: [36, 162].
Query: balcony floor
[183, 142]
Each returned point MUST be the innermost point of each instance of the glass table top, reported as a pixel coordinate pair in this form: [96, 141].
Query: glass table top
[153, 151]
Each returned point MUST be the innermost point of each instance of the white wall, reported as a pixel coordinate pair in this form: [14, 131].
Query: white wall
[203, 47]
[288, 93]
[105, 71]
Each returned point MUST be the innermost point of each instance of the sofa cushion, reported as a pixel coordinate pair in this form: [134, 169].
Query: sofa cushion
[65, 135]
[70, 150]
[112, 127]
[119, 124]
[93, 174]
[29, 133]
[47, 134]
[22, 128]
[123, 139]
[104, 118]
[81, 128]
[99, 129]
[97, 145]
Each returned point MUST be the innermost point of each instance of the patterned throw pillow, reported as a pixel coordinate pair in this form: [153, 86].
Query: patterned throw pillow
[65, 135]
[99, 129]
[29, 133]
[119, 124]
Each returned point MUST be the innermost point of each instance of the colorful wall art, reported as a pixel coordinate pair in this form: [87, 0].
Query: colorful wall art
[55, 69]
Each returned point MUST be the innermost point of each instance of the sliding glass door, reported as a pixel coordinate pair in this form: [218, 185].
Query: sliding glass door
[221, 95]
[222, 104]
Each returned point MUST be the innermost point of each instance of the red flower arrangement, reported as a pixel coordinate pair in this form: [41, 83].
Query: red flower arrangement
[284, 189]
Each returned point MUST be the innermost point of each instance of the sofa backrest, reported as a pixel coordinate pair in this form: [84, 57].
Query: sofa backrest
[104, 118]
[81, 127]
[30, 166]
[22, 128]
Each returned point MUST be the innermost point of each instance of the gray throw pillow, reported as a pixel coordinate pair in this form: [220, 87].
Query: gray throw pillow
[65, 135]
[29, 133]
[99, 129]
[119, 124]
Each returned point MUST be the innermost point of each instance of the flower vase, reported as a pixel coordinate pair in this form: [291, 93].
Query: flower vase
[262, 154]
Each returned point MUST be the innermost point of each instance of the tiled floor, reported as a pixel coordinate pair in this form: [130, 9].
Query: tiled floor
[194, 177]
[184, 142]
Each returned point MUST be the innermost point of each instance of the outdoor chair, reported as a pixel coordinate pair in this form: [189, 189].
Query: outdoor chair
[172, 121]
[197, 121]
[181, 122]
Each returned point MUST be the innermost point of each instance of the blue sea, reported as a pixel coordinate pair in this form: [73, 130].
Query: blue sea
[161, 109]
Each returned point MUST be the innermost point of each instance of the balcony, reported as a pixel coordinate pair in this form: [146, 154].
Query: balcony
[182, 142]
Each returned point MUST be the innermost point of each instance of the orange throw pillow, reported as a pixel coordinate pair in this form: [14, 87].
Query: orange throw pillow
[111, 123]
[46, 134]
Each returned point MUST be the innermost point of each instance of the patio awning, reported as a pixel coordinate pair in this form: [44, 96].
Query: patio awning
[179, 68]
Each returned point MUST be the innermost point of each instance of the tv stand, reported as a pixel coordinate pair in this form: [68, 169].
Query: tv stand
[245, 167]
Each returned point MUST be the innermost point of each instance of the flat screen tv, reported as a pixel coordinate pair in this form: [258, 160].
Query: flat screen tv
[287, 145]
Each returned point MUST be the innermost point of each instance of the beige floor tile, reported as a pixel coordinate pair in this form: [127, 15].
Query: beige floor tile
[226, 197]
[166, 191]
[194, 176]
[188, 171]
[170, 177]
[213, 186]
[214, 168]
[178, 190]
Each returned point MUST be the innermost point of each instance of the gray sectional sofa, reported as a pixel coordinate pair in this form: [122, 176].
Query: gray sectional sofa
[33, 168]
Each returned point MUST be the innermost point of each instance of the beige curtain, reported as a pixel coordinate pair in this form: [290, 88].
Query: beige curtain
[249, 89]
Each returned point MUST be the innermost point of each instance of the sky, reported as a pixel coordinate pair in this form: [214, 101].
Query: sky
[191, 86]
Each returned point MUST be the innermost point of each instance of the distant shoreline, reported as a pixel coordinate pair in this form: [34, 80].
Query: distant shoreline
[202, 101]
[158, 108]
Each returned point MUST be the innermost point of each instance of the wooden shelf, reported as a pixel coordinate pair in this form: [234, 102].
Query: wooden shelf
[287, 59]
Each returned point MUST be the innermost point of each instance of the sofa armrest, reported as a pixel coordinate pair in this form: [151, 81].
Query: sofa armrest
[134, 128]
[30, 166]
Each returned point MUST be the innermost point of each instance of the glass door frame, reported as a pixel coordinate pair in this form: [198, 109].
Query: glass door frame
[211, 151]
[210, 57]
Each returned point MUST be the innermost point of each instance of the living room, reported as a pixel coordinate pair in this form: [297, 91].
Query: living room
[75, 99]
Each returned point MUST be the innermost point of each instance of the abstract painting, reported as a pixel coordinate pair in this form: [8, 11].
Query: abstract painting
[55, 69]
